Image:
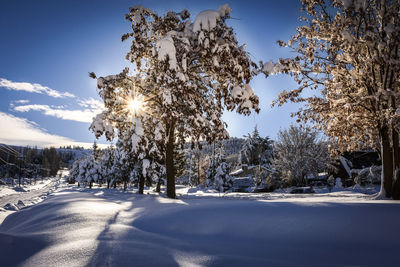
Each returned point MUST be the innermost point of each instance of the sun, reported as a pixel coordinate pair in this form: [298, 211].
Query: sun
[136, 105]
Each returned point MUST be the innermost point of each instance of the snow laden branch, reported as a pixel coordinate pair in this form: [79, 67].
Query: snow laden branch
[348, 52]
[187, 73]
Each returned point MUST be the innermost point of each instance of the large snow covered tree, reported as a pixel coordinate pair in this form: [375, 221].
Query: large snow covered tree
[349, 51]
[186, 73]
[298, 152]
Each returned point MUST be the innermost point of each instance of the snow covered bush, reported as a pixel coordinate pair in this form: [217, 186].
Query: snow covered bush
[222, 180]
[297, 153]
[187, 72]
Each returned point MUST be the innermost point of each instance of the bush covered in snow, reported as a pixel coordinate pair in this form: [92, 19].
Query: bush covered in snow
[297, 153]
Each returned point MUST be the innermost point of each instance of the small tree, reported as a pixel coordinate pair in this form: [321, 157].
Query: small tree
[256, 150]
[107, 162]
[222, 178]
[297, 153]
[214, 162]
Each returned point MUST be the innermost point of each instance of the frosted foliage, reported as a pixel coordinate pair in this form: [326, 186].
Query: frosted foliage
[145, 166]
[271, 68]
[101, 125]
[348, 52]
[166, 50]
[222, 180]
[297, 154]
[207, 20]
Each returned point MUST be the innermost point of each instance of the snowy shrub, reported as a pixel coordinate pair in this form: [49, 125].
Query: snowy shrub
[222, 181]
[297, 153]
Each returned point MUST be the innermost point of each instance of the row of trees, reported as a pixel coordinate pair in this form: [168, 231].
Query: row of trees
[113, 166]
[28, 162]
[296, 154]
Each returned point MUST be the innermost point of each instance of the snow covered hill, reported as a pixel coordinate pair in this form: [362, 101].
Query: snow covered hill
[99, 227]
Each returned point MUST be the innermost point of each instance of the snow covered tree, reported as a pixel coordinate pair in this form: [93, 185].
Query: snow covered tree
[194, 169]
[96, 151]
[256, 150]
[87, 171]
[179, 162]
[298, 153]
[107, 163]
[223, 181]
[186, 74]
[73, 172]
[349, 51]
[214, 162]
[124, 165]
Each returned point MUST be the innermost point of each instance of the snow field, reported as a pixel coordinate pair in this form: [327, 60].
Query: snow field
[78, 227]
[15, 198]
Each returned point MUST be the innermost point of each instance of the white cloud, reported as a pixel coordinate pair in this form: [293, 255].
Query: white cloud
[22, 101]
[85, 115]
[22, 132]
[91, 103]
[33, 88]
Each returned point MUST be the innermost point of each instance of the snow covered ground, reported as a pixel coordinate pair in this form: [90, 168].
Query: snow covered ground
[98, 227]
[14, 198]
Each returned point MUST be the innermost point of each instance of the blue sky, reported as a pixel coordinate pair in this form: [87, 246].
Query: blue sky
[47, 49]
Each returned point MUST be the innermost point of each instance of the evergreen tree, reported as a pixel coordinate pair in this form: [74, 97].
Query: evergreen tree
[223, 180]
[214, 162]
[107, 162]
[256, 150]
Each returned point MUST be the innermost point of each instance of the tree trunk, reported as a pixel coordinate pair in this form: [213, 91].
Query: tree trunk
[141, 184]
[169, 161]
[149, 182]
[108, 184]
[396, 166]
[158, 188]
[387, 163]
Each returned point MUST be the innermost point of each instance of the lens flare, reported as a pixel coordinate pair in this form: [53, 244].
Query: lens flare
[136, 105]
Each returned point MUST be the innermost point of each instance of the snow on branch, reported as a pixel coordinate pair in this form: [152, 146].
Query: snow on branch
[207, 19]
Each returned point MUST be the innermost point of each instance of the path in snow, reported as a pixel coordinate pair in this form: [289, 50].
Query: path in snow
[29, 195]
[99, 227]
